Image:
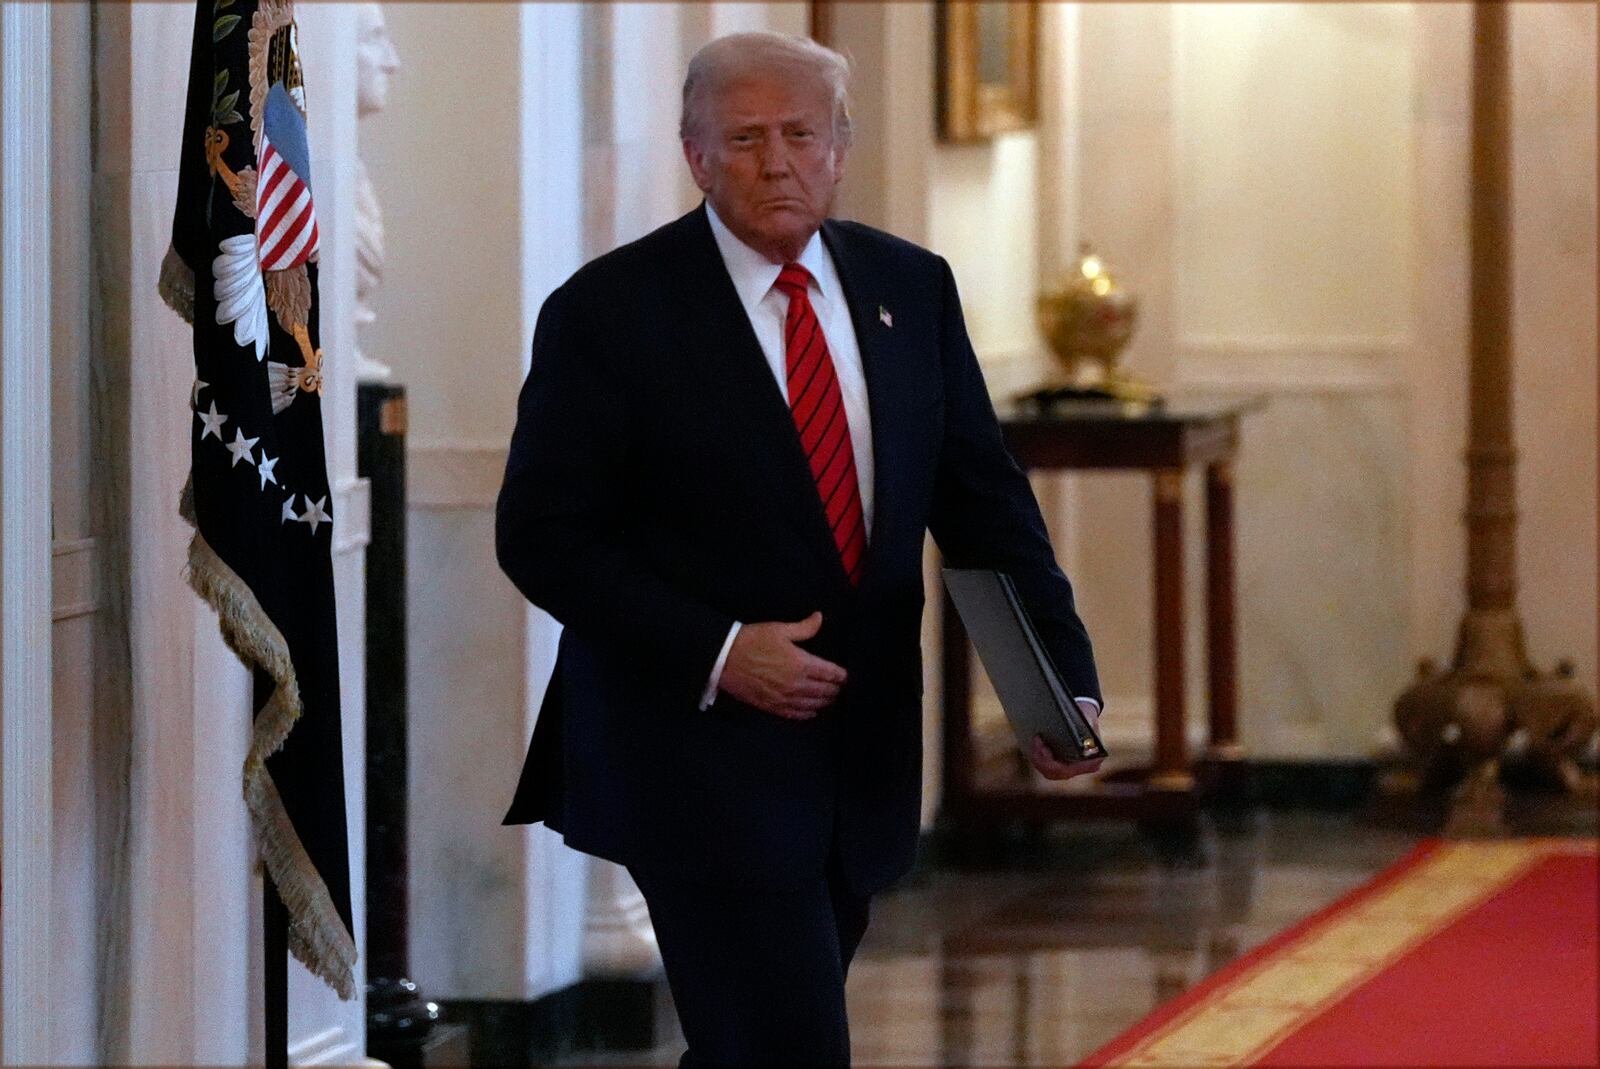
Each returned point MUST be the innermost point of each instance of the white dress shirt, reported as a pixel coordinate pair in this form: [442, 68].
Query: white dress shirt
[768, 307]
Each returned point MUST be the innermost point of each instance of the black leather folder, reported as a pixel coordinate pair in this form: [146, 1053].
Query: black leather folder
[1031, 691]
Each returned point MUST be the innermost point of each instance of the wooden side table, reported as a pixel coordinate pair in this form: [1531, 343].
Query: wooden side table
[1167, 442]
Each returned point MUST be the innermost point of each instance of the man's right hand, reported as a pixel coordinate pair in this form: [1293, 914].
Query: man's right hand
[766, 669]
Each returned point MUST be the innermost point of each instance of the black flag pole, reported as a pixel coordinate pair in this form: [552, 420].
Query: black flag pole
[275, 1000]
[274, 951]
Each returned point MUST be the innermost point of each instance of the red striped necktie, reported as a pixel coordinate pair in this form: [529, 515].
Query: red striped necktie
[818, 410]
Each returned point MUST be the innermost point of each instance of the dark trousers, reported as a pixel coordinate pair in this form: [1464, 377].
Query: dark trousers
[758, 976]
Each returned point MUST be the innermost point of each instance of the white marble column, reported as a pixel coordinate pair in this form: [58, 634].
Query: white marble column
[633, 181]
[618, 938]
[25, 685]
[550, 210]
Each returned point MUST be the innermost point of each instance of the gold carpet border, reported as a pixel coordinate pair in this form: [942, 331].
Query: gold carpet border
[1240, 1021]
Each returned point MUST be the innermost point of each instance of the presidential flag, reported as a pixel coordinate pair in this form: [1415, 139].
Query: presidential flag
[243, 270]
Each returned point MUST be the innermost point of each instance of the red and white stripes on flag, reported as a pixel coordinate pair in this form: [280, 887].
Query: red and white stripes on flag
[286, 225]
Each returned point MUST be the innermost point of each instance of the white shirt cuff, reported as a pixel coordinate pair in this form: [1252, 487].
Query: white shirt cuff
[1091, 703]
[716, 670]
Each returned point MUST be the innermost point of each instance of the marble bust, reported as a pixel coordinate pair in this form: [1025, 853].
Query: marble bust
[376, 62]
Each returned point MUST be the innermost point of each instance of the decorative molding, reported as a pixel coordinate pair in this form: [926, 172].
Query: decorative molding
[1129, 727]
[74, 573]
[1280, 737]
[26, 744]
[1351, 364]
[454, 475]
[618, 938]
[1371, 346]
[569, 1024]
[352, 504]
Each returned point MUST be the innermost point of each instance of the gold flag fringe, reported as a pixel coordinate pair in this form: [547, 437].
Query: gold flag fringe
[317, 935]
[176, 285]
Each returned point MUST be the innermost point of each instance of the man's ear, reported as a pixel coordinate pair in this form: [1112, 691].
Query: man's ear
[699, 166]
[839, 153]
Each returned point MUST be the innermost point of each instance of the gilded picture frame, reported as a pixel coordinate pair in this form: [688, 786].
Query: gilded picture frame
[988, 64]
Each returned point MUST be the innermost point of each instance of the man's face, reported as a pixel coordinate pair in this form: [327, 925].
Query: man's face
[766, 159]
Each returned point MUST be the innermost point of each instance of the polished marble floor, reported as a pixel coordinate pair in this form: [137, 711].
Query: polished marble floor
[1057, 943]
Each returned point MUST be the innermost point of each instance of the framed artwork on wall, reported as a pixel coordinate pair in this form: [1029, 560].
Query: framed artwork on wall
[987, 68]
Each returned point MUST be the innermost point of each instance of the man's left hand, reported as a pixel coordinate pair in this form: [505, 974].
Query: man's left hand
[1051, 767]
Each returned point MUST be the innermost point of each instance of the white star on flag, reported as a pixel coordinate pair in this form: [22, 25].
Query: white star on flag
[213, 422]
[288, 509]
[194, 395]
[265, 470]
[240, 448]
[315, 514]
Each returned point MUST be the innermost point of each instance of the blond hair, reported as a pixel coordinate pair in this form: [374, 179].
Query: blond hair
[725, 60]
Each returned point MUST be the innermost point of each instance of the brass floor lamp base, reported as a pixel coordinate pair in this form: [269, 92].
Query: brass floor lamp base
[1491, 706]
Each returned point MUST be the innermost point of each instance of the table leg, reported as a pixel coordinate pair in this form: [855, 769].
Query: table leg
[1221, 639]
[1171, 768]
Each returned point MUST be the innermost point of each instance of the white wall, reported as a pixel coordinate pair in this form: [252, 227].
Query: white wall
[1288, 258]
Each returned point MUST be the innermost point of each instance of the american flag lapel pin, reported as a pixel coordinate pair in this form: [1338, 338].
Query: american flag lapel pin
[884, 317]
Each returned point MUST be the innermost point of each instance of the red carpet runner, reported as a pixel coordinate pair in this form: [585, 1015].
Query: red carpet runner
[1465, 953]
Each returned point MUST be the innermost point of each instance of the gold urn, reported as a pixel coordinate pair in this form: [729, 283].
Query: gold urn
[1088, 320]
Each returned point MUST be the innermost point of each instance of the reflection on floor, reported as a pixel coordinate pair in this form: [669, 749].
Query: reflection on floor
[1054, 948]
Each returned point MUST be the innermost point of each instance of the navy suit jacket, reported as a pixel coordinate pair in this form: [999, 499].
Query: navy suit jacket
[656, 491]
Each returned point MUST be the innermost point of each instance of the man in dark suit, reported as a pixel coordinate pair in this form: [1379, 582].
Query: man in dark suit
[734, 435]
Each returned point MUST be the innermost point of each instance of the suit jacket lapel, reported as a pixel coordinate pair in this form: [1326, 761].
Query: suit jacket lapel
[886, 391]
[722, 347]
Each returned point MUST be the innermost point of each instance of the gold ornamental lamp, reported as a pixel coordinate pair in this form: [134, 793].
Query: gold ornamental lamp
[1088, 320]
